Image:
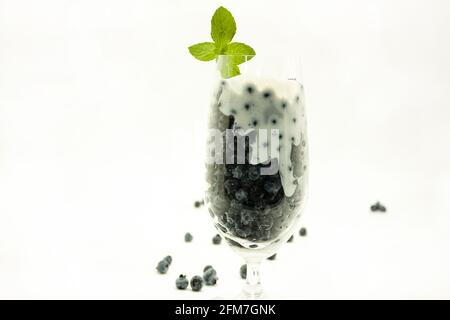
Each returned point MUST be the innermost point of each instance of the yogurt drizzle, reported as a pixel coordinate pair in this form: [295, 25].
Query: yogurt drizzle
[268, 104]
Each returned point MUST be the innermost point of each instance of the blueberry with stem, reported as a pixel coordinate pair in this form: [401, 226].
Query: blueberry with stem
[181, 283]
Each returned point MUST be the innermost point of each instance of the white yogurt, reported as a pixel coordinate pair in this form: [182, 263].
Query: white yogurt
[257, 103]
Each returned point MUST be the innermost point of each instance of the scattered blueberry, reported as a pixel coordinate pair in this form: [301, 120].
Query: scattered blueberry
[243, 271]
[250, 89]
[207, 267]
[162, 266]
[181, 282]
[196, 283]
[247, 106]
[168, 259]
[255, 123]
[303, 232]
[272, 257]
[198, 204]
[188, 237]
[291, 239]
[217, 239]
[210, 277]
[378, 207]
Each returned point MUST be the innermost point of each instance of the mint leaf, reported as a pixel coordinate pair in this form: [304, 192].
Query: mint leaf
[229, 70]
[204, 51]
[223, 28]
[240, 52]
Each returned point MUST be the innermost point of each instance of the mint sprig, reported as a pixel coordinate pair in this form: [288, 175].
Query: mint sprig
[223, 29]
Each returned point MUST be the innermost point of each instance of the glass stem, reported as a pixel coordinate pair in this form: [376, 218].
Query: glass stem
[253, 287]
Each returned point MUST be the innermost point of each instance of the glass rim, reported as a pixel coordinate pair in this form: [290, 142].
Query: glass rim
[236, 55]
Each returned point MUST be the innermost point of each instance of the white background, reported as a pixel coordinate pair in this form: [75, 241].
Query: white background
[102, 111]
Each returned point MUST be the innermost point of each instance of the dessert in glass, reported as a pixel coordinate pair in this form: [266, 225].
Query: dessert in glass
[257, 160]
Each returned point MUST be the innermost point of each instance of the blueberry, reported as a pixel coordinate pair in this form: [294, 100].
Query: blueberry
[210, 277]
[291, 239]
[250, 89]
[188, 237]
[181, 282]
[294, 120]
[255, 123]
[238, 172]
[162, 266]
[378, 207]
[303, 232]
[243, 271]
[253, 173]
[168, 259]
[231, 185]
[272, 186]
[247, 106]
[217, 239]
[196, 283]
[274, 121]
[198, 204]
[284, 105]
[246, 217]
[207, 267]
[241, 195]
[272, 257]
[267, 94]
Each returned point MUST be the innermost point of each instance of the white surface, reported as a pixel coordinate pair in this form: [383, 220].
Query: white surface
[93, 193]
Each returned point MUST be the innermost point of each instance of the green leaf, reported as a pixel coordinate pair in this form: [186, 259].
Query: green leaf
[223, 28]
[229, 70]
[204, 51]
[240, 52]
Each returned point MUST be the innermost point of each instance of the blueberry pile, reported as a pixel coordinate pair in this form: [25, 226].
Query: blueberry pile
[247, 204]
